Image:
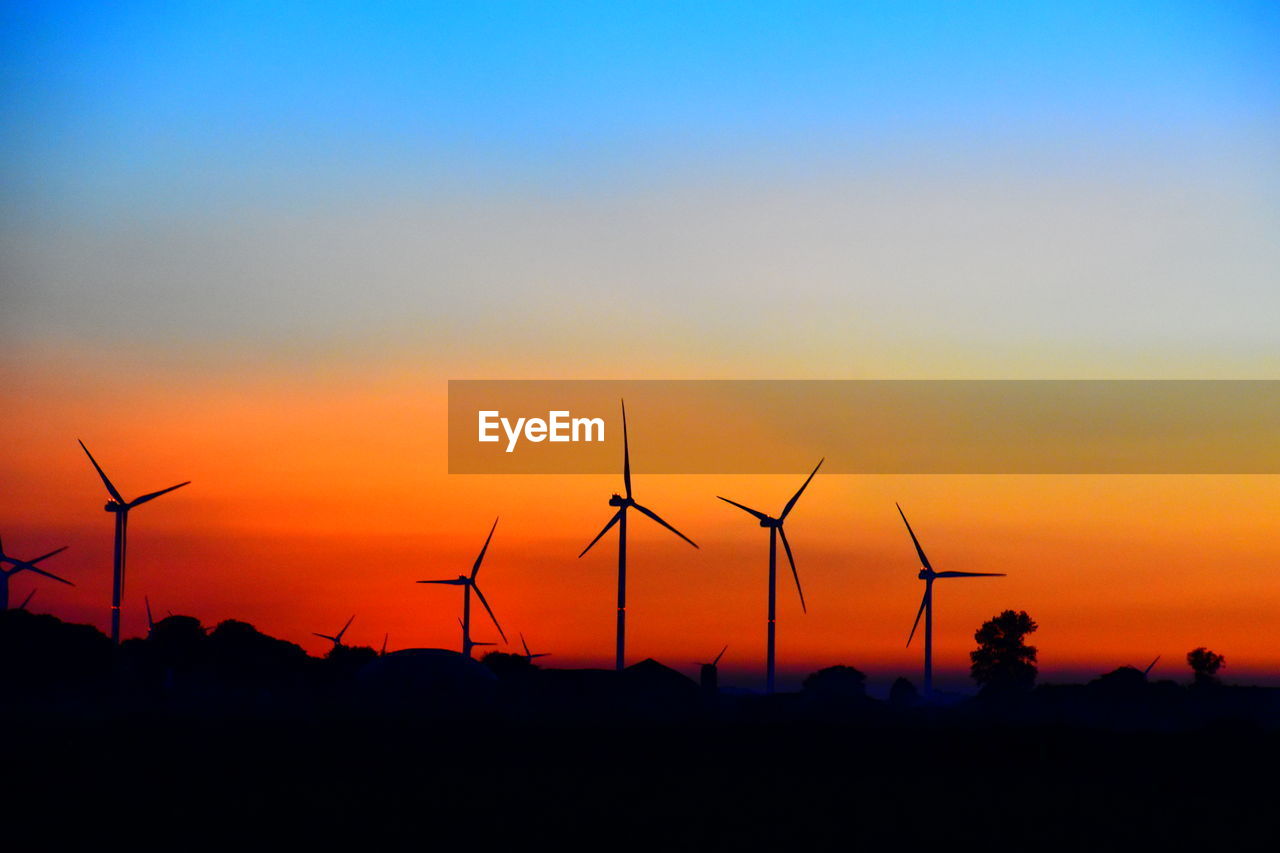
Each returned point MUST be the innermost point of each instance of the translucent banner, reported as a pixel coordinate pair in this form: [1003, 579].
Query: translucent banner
[866, 426]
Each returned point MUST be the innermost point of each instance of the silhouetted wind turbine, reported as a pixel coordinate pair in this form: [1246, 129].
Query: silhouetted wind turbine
[528, 655]
[475, 643]
[928, 575]
[623, 503]
[383, 653]
[120, 507]
[151, 623]
[468, 583]
[776, 530]
[337, 639]
[16, 565]
[709, 674]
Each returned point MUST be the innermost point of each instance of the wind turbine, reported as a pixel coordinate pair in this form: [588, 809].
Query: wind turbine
[528, 655]
[383, 653]
[151, 623]
[776, 530]
[16, 565]
[120, 507]
[337, 639]
[928, 575]
[468, 583]
[623, 503]
[475, 643]
[709, 675]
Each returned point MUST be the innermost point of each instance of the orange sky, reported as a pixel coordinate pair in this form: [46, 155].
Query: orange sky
[252, 256]
[320, 494]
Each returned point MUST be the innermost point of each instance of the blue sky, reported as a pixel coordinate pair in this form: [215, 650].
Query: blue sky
[157, 105]
[898, 189]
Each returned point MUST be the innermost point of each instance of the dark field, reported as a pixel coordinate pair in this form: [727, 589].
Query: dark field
[198, 737]
[783, 785]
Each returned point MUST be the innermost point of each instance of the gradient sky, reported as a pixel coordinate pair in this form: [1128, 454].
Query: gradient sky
[249, 247]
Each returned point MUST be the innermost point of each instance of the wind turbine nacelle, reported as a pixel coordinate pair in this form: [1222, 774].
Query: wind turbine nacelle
[770, 522]
[617, 500]
[112, 506]
[925, 574]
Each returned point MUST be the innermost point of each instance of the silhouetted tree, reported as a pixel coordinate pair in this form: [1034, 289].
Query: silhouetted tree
[1205, 665]
[339, 668]
[903, 693]
[1003, 662]
[350, 657]
[179, 642]
[504, 665]
[836, 681]
[241, 654]
[175, 652]
[39, 652]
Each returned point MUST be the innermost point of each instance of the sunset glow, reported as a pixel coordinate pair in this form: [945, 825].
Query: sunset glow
[251, 253]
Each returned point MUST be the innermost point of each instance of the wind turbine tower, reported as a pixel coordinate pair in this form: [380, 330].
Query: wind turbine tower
[120, 507]
[468, 584]
[776, 531]
[624, 503]
[928, 575]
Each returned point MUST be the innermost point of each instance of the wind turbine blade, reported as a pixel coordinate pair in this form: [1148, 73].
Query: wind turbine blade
[919, 613]
[452, 582]
[970, 575]
[526, 646]
[47, 556]
[616, 516]
[759, 515]
[787, 547]
[50, 575]
[103, 474]
[722, 651]
[655, 517]
[924, 561]
[27, 600]
[1146, 671]
[384, 644]
[626, 452]
[797, 495]
[489, 610]
[338, 639]
[475, 568]
[20, 566]
[325, 637]
[153, 495]
[36, 560]
[151, 623]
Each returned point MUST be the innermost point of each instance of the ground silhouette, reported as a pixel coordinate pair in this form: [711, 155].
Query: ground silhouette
[231, 729]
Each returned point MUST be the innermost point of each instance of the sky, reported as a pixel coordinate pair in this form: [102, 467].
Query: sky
[249, 247]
